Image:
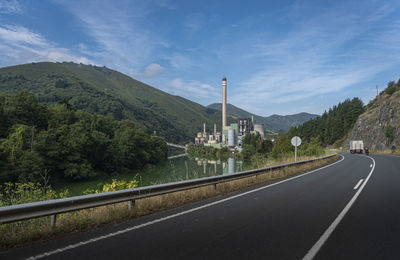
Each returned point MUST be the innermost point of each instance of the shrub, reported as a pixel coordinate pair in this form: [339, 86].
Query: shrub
[389, 132]
[18, 193]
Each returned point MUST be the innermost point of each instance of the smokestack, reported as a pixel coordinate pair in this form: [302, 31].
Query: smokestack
[252, 119]
[215, 130]
[223, 102]
[204, 129]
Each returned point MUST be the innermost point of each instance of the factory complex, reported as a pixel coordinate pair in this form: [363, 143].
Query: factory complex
[231, 135]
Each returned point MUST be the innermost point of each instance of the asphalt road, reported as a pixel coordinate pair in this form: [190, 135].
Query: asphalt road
[325, 214]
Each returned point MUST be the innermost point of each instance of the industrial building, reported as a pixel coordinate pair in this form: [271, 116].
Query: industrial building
[205, 138]
[259, 128]
[245, 125]
[231, 135]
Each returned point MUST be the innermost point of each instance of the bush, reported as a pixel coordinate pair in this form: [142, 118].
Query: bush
[392, 87]
[114, 186]
[389, 132]
[18, 193]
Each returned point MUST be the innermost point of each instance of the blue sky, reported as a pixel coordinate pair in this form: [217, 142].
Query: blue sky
[280, 57]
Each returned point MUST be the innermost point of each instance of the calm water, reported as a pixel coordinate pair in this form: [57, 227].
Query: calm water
[178, 169]
[184, 168]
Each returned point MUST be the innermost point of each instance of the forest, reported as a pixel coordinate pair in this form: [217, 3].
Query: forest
[48, 143]
[333, 125]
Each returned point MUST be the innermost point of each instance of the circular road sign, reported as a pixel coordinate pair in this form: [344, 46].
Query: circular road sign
[296, 141]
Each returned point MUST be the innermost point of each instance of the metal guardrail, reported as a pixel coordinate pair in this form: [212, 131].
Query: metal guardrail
[53, 207]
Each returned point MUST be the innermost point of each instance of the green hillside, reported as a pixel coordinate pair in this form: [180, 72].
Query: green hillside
[108, 92]
[275, 123]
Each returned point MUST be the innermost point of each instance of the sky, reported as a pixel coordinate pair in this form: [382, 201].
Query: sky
[280, 57]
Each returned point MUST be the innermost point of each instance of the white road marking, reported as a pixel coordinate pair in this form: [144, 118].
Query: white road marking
[59, 250]
[358, 184]
[314, 250]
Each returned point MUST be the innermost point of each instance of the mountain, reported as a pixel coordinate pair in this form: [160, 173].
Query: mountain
[108, 92]
[379, 125]
[276, 123]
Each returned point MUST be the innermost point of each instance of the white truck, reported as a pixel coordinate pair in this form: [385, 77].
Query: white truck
[356, 146]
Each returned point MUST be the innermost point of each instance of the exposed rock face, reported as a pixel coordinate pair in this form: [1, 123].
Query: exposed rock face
[372, 124]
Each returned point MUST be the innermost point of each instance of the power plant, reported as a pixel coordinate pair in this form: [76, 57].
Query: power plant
[232, 135]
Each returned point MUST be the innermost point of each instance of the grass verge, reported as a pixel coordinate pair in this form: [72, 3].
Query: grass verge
[25, 232]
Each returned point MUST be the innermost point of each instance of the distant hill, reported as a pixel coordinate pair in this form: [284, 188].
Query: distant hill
[276, 123]
[108, 92]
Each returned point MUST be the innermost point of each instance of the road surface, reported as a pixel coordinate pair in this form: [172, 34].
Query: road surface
[348, 210]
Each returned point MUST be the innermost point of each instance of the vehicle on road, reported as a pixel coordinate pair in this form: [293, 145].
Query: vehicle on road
[356, 146]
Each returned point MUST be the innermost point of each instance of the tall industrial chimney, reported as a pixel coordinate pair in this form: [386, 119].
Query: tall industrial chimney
[223, 108]
[223, 102]
[204, 130]
[215, 130]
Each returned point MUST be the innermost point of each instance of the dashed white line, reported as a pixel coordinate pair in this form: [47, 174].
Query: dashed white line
[59, 250]
[358, 184]
[317, 246]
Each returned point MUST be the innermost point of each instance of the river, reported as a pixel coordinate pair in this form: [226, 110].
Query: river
[185, 168]
[177, 169]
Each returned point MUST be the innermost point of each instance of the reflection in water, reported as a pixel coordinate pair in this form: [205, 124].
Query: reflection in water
[184, 168]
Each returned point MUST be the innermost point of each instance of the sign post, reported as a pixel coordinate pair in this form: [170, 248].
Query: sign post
[296, 141]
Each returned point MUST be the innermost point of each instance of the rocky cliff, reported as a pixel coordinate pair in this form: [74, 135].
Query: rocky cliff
[379, 125]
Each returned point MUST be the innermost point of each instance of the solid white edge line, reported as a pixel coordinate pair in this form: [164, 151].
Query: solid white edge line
[358, 184]
[59, 250]
[317, 246]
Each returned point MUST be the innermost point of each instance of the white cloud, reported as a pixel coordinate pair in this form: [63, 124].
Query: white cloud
[179, 61]
[10, 6]
[21, 35]
[153, 70]
[20, 45]
[191, 88]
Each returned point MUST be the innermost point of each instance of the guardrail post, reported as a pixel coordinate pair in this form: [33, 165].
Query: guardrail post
[53, 219]
[131, 204]
[215, 186]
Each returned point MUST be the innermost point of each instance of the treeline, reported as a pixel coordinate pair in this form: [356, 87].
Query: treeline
[255, 148]
[41, 143]
[258, 150]
[333, 125]
[208, 152]
[253, 144]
